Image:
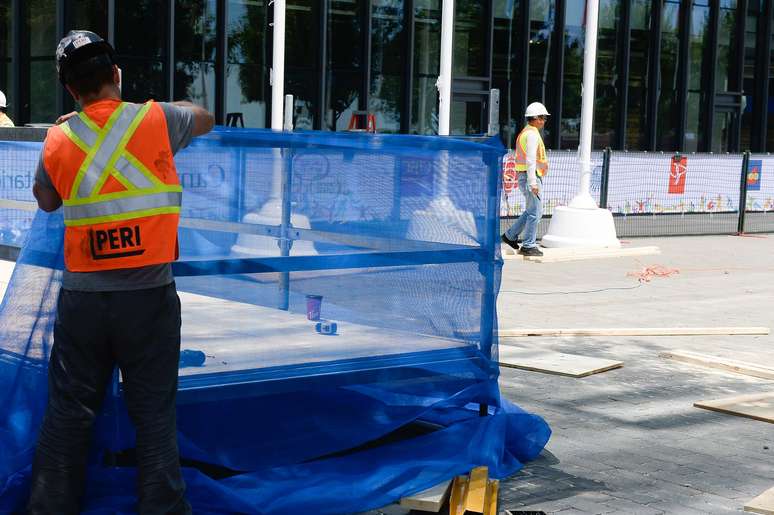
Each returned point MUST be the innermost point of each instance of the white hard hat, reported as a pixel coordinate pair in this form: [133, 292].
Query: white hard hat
[2, 99]
[536, 109]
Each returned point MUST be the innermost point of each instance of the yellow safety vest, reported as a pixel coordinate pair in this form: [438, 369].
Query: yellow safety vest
[541, 160]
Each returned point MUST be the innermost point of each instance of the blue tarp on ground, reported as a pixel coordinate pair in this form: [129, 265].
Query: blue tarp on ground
[398, 234]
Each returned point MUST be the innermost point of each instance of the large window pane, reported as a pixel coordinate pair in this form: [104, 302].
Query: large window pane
[574, 34]
[302, 54]
[748, 81]
[700, 16]
[41, 31]
[636, 133]
[345, 59]
[141, 44]
[427, 53]
[507, 62]
[88, 15]
[43, 87]
[542, 14]
[470, 33]
[606, 101]
[195, 44]
[6, 55]
[247, 88]
[668, 116]
[726, 45]
[769, 110]
[387, 49]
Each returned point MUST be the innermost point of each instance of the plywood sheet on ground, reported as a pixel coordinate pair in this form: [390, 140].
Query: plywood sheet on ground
[730, 365]
[557, 363]
[757, 406]
[763, 504]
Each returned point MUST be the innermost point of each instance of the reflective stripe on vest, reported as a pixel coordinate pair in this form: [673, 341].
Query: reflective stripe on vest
[541, 160]
[106, 156]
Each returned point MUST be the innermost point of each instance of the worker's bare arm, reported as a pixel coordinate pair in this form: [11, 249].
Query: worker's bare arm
[204, 121]
[48, 199]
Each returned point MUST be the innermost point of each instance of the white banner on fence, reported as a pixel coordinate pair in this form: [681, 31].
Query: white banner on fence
[760, 183]
[662, 183]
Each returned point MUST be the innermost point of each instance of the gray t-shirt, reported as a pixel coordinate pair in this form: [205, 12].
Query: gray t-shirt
[180, 129]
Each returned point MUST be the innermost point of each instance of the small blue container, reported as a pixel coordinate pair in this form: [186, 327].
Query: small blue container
[325, 327]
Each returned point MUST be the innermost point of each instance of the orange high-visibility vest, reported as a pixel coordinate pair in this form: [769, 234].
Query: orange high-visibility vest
[541, 163]
[113, 167]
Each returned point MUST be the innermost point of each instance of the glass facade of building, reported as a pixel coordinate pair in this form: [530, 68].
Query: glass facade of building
[688, 75]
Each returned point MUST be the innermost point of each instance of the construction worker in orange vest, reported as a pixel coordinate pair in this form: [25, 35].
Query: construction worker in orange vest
[111, 167]
[532, 165]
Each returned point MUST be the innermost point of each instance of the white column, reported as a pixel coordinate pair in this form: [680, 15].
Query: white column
[583, 199]
[444, 78]
[278, 66]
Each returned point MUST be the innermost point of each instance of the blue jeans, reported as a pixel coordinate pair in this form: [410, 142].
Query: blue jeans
[529, 219]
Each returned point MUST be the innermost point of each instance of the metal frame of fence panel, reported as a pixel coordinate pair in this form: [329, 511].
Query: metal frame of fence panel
[559, 187]
[656, 194]
[759, 202]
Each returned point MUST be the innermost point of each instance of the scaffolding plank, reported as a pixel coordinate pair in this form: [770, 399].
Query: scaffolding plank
[634, 331]
[757, 406]
[705, 360]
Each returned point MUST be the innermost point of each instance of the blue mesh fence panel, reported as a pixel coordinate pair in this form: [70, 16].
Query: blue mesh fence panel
[655, 194]
[759, 208]
[395, 236]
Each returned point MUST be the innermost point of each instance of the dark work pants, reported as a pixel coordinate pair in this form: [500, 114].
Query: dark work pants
[140, 332]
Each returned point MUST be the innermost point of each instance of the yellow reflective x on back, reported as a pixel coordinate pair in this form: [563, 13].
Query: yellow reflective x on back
[106, 155]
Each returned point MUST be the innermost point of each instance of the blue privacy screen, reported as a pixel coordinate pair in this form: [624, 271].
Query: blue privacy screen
[339, 327]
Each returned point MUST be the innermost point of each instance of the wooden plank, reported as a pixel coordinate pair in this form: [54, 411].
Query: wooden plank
[456, 499]
[634, 331]
[575, 254]
[757, 406]
[476, 493]
[763, 504]
[705, 360]
[431, 500]
[492, 493]
[555, 363]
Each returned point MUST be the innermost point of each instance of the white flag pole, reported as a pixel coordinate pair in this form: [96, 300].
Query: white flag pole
[444, 77]
[583, 199]
[278, 66]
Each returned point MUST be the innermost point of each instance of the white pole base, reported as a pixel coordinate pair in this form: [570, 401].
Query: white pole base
[581, 228]
[271, 214]
[443, 222]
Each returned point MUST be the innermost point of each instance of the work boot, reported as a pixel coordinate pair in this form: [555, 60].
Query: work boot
[514, 244]
[530, 251]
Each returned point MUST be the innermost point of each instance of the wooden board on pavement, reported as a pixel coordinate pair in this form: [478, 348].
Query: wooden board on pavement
[431, 500]
[757, 406]
[576, 254]
[633, 331]
[730, 365]
[763, 504]
[556, 363]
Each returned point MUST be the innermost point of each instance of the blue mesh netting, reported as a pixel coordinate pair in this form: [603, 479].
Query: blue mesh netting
[397, 234]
